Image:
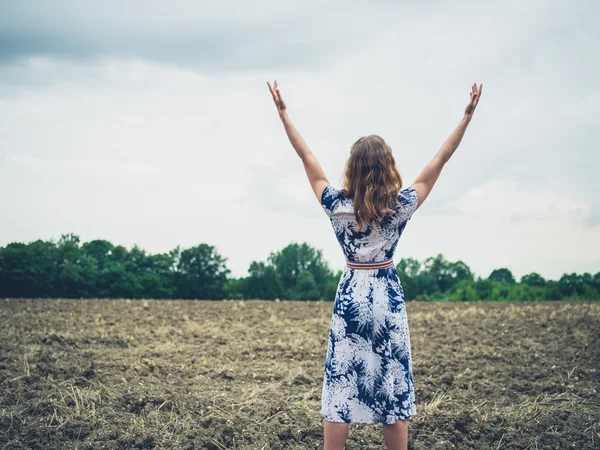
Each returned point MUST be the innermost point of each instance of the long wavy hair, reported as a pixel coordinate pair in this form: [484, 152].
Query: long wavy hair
[372, 180]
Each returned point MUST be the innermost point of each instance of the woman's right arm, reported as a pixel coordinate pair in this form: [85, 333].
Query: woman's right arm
[431, 172]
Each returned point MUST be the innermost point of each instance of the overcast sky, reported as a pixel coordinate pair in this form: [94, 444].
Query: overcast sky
[150, 123]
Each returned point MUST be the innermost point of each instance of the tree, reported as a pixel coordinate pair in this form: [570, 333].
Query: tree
[445, 273]
[69, 268]
[596, 281]
[570, 285]
[552, 291]
[590, 293]
[331, 290]
[500, 291]
[409, 285]
[88, 277]
[157, 275]
[464, 291]
[202, 273]
[16, 277]
[427, 284]
[518, 292]
[296, 258]
[306, 289]
[533, 279]
[234, 288]
[263, 283]
[115, 281]
[502, 275]
[68, 258]
[483, 287]
[408, 270]
[99, 249]
[459, 271]
[409, 266]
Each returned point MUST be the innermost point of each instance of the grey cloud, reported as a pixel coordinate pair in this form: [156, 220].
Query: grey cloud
[266, 189]
[593, 219]
[537, 123]
[225, 36]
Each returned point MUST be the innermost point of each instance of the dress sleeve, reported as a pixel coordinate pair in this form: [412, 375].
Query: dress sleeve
[329, 198]
[410, 201]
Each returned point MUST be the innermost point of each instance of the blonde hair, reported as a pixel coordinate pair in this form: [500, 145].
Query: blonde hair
[372, 180]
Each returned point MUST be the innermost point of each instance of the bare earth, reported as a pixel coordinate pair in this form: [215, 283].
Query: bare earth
[120, 374]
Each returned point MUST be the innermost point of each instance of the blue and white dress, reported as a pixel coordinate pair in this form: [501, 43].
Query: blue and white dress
[368, 369]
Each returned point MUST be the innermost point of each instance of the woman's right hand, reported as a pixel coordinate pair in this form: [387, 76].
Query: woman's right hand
[431, 172]
[475, 95]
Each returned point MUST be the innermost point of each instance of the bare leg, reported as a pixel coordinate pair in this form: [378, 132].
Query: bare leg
[396, 435]
[335, 435]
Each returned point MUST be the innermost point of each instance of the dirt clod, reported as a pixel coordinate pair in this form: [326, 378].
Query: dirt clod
[118, 374]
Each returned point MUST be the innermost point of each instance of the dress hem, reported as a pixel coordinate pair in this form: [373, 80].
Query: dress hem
[408, 419]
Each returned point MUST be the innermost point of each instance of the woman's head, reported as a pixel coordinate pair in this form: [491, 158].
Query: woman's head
[371, 179]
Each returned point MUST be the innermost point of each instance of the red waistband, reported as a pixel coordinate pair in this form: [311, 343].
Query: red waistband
[370, 265]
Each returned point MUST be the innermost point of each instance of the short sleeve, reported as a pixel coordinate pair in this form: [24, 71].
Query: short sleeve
[329, 199]
[410, 201]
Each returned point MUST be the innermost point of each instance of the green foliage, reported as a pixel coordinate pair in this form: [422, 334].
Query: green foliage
[294, 259]
[409, 284]
[517, 292]
[590, 293]
[234, 288]
[533, 279]
[98, 269]
[502, 276]
[296, 272]
[263, 283]
[464, 291]
[552, 291]
[306, 287]
[432, 278]
[201, 273]
[330, 290]
[409, 266]
[483, 288]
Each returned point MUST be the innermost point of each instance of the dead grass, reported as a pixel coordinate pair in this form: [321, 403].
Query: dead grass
[247, 375]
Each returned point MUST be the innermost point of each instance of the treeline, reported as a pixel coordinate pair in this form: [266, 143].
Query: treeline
[98, 269]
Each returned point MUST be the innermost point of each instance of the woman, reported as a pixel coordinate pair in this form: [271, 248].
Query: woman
[368, 370]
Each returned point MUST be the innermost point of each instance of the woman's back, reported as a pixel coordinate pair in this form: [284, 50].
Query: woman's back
[368, 374]
[368, 369]
[376, 242]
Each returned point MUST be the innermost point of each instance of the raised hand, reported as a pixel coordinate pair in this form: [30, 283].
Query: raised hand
[475, 95]
[279, 103]
[313, 169]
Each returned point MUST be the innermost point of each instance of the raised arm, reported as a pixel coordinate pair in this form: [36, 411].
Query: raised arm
[313, 169]
[430, 173]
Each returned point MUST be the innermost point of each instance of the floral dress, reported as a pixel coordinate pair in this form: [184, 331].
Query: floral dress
[368, 369]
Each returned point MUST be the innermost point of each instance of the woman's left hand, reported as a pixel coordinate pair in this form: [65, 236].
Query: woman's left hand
[279, 103]
[475, 95]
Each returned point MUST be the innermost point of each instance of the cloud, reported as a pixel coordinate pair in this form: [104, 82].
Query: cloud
[156, 123]
[217, 37]
[503, 200]
[593, 219]
[504, 225]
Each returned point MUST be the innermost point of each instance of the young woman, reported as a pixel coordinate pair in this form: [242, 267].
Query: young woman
[368, 369]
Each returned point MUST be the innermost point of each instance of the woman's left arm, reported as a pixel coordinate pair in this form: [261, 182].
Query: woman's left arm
[313, 169]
